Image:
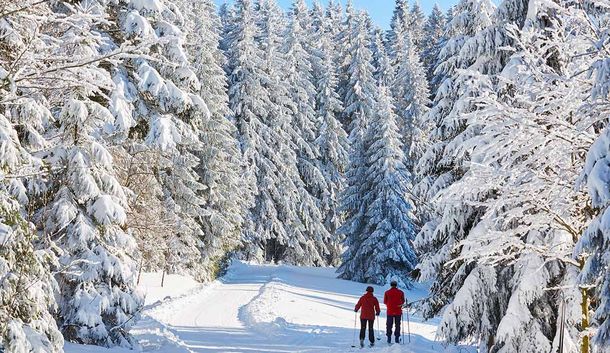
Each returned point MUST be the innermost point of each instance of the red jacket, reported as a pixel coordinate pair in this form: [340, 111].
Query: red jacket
[393, 299]
[369, 305]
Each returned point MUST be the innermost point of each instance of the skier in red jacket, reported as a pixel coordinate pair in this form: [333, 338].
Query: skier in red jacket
[370, 308]
[394, 299]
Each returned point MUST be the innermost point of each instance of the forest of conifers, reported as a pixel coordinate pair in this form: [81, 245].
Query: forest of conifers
[468, 149]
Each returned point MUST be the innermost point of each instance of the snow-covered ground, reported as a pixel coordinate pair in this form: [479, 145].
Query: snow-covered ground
[263, 308]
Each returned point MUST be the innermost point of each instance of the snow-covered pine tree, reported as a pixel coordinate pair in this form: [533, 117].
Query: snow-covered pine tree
[27, 301]
[317, 24]
[399, 23]
[410, 89]
[345, 55]
[409, 86]
[334, 14]
[530, 225]
[447, 221]
[331, 140]
[162, 97]
[298, 50]
[360, 108]
[434, 30]
[99, 300]
[592, 248]
[82, 207]
[415, 26]
[220, 168]
[226, 13]
[384, 72]
[93, 245]
[385, 251]
[27, 287]
[262, 106]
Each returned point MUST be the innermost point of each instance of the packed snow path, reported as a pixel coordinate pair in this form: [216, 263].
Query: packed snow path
[281, 309]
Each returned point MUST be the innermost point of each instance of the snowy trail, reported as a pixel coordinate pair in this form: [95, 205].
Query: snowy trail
[280, 309]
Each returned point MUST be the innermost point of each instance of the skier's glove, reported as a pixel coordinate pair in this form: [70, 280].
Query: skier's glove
[378, 314]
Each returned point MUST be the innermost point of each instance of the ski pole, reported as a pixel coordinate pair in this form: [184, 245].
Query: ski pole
[408, 326]
[402, 328]
[378, 330]
[354, 337]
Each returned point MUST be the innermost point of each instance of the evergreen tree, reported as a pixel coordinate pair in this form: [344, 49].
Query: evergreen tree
[331, 141]
[399, 23]
[384, 72]
[385, 251]
[298, 52]
[274, 230]
[532, 221]
[410, 88]
[226, 13]
[27, 287]
[434, 30]
[448, 222]
[415, 26]
[592, 248]
[334, 14]
[220, 168]
[486, 282]
[86, 216]
[359, 110]
[345, 56]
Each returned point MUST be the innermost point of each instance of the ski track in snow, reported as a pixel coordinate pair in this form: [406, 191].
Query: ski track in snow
[266, 308]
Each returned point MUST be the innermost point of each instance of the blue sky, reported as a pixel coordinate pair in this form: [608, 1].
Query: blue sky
[380, 10]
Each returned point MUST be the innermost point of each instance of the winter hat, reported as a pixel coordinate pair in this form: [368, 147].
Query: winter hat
[369, 289]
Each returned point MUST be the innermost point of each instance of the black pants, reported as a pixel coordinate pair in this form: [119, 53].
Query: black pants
[393, 320]
[363, 323]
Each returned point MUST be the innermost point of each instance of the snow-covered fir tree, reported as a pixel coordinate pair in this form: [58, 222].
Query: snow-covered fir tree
[434, 31]
[81, 209]
[447, 222]
[385, 251]
[345, 55]
[384, 71]
[592, 248]
[408, 86]
[220, 168]
[410, 89]
[533, 219]
[487, 276]
[399, 23]
[263, 110]
[298, 50]
[27, 302]
[415, 26]
[27, 287]
[331, 140]
[361, 94]
[334, 14]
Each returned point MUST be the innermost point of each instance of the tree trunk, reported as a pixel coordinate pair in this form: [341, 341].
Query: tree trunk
[584, 306]
[140, 270]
